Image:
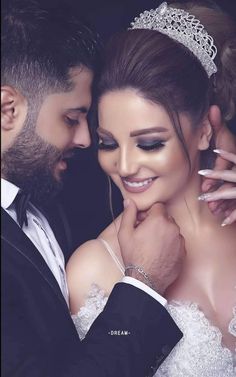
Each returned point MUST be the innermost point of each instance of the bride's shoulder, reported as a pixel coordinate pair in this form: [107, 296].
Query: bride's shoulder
[86, 261]
[89, 264]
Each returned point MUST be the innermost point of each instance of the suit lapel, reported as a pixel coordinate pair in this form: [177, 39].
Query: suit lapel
[14, 236]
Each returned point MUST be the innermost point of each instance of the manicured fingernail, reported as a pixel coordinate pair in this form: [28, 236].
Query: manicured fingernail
[219, 151]
[205, 172]
[126, 203]
[226, 221]
[204, 196]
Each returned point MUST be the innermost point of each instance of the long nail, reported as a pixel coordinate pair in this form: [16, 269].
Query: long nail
[205, 172]
[204, 196]
[226, 221]
[219, 151]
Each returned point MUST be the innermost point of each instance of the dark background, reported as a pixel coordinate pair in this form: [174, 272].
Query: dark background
[85, 195]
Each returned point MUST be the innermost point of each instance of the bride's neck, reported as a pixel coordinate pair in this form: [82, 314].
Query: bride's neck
[189, 213]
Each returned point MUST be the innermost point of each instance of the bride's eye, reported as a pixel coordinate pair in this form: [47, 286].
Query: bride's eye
[151, 146]
[107, 145]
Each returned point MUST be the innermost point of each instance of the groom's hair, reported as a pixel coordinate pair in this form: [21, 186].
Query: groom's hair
[40, 44]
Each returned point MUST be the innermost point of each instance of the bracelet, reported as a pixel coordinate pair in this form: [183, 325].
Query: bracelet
[142, 272]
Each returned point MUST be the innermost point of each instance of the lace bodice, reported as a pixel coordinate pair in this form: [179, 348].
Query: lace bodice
[199, 353]
[94, 305]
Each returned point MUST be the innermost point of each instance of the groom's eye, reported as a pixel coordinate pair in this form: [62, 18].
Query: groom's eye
[72, 122]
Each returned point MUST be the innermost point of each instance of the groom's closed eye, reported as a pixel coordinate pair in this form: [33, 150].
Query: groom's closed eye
[71, 121]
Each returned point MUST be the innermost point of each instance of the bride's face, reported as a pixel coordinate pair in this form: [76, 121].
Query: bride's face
[140, 151]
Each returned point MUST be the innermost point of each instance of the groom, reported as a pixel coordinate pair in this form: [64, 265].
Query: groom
[48, 64]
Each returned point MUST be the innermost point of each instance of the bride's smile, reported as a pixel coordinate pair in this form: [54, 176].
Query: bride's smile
[140, 150]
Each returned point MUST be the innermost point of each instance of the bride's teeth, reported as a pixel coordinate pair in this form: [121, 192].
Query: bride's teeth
[138, 184]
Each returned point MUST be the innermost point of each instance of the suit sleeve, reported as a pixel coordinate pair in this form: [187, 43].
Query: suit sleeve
[131, 337]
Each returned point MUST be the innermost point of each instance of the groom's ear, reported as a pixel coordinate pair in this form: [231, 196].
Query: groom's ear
[206, 133]
[13, 114]
[13, 108]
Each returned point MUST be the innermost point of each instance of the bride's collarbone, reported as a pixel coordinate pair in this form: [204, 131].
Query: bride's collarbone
[215, 296]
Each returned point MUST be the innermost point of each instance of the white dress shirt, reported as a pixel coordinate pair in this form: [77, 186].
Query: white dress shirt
[39, 232]
[42, 236]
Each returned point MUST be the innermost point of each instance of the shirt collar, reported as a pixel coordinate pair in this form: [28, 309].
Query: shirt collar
[8, 193]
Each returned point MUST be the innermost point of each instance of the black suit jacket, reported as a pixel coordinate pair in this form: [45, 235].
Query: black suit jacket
[39, 338]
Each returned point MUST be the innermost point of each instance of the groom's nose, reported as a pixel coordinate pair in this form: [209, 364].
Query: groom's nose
[82, 138]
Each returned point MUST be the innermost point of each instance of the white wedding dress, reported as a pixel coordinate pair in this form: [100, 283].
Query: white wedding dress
[199, 353]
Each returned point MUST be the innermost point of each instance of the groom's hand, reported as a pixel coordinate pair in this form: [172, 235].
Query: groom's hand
[155, 245]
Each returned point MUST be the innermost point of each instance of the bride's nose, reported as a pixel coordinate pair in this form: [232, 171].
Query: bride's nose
[126, 163]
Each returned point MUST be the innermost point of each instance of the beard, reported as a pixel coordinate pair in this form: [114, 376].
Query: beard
[30, 164]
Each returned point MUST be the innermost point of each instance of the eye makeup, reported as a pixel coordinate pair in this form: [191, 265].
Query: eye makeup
[150, 145]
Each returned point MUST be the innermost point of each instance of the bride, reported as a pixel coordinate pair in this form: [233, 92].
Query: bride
[155, 97]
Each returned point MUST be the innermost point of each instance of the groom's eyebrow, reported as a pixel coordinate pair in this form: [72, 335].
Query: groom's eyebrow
[82, 109]
[148, 131]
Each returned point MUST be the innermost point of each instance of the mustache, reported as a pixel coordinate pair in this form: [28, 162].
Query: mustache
[68, 154]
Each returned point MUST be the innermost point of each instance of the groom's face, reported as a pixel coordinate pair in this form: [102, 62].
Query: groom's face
[37, 158]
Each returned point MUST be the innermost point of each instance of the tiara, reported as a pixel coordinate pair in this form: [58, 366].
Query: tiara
[183, 27]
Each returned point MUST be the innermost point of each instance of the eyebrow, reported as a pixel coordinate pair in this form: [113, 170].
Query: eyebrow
[138, 132]
[82, 109]
[148, 131]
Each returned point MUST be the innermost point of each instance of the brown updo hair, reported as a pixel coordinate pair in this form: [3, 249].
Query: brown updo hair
[222, 28]
[166, 72]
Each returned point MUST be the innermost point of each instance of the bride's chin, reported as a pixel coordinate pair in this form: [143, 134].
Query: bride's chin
[145, 207]
[142, 207]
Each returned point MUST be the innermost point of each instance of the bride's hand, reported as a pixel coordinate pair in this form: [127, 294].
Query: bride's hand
[227, 192]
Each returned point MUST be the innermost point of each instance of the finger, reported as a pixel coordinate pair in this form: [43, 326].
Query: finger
[215, 118]
[141, 216]
[209, 184]
[228, 211]
[226, 155]
[221, 207]
[221, 163]
[229, 193]
[129, 217]
[230, 219]
[224, 207]
[225, 175]
[214, 205]
[157, 209]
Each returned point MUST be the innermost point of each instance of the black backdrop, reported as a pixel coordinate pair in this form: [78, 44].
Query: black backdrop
[85, 194]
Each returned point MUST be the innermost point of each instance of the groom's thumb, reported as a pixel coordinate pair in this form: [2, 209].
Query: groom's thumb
[128, 221]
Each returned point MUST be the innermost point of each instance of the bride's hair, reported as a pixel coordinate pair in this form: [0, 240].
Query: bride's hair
[166, 72]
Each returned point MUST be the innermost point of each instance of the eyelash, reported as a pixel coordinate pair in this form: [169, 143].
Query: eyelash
[71, 122]
[107, 147]
[151, 147]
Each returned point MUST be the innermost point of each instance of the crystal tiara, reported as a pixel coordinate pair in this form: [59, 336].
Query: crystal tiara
[182, 27]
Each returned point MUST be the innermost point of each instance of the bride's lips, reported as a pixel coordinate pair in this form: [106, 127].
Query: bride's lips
[137, 185]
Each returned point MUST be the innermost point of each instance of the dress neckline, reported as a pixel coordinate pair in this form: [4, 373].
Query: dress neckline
[194, 306]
